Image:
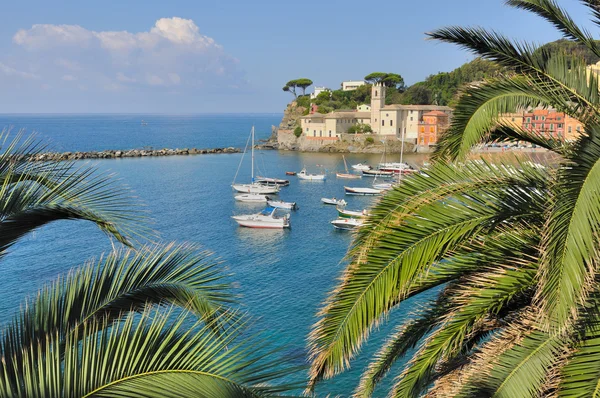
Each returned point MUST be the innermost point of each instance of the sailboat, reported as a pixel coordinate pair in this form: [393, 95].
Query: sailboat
[347, 174]
[254, 186]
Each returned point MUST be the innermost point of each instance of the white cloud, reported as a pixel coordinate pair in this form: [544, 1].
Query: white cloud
[9, 71]
[172, 53]
[124, 78]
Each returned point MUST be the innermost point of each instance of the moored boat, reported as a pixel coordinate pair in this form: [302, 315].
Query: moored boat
[265, 219]
[270, 181]
[361, 167]
[290, 173]
[279, 204]
[347, 174]
[384, 185]
[378, 173]
[252, 198]
[362, 191]
[343, 213]
[347, 224]
[334, 201]
[303, 175]
[256, 188]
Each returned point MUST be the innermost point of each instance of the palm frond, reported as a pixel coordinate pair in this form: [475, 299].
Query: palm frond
[569, 262]
[35, 193]
[123, 281]
[412, 228]
[553, 13]
[144, 351]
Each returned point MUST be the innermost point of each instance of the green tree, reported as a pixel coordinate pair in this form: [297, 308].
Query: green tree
[375, 77]
[417, 94]
[151, 321]
[298, 131]
[290, 89]
[303, 84]
[506, 251]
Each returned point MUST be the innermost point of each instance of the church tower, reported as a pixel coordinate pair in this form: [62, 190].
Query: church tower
[377, 103]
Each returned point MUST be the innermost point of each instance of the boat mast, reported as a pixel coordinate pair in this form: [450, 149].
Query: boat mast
[401, 153]
[252, 180]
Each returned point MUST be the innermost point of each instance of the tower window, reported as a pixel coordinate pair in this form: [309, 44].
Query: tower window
[383, 122]
[376, 93]
[391, 122]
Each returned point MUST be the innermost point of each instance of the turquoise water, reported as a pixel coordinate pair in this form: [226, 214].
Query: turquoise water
[282, 275]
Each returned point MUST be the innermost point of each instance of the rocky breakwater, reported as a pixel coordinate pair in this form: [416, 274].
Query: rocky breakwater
[132, 153]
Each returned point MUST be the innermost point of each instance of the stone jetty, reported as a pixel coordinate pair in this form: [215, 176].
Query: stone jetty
[133, 153]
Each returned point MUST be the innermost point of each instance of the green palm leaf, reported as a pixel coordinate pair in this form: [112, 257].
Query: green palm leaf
[149, 352]
[402, 240]
[123, 281]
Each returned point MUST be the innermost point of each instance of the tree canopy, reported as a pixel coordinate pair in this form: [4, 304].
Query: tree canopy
[387, 79]
[302, 83]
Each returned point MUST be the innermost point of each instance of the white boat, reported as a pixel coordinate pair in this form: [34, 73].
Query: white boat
[347, 174]
[334, 201]
[361, 167]
[279, 204]
[384, 185]
[347, 223]
[252, 198]
[270, 181]
[266, 219]
[362, 191]
[343, 213]
[303, 175]
[254, 186]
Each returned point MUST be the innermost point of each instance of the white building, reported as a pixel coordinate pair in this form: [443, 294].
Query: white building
[350, 85]
[399, 121]
[318, 90]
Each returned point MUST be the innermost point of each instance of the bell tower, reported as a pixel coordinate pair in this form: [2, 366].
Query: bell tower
[377, 103]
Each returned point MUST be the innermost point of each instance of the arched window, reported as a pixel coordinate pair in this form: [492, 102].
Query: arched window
[376, 93]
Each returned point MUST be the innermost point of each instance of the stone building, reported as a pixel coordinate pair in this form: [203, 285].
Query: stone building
[389, 121]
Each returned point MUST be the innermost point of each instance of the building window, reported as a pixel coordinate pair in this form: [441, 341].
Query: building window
[558, 118]
[422, 129]
[383, 122]
[560, 125]
[330, 133]
[411, 119]
[570, 129]
[320, 133]
[578, 128]
[422, 140]
[391, 122]
[536, 118]
[376, 93]
[551, 126]
[513, 119]
[431, 129]
[528, 120]
[387, 115]
[307, 129]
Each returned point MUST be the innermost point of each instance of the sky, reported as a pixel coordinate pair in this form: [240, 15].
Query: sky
[227, 56]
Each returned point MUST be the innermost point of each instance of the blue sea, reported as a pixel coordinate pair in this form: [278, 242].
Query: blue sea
[283, 276]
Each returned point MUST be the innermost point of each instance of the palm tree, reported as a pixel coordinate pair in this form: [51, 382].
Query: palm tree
[153, 321]
[508, 251]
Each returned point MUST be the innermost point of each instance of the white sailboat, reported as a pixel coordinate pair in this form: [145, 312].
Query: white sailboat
[334, 201]
[266, 219]
[363, 191]
[280, 204]
[254, 186]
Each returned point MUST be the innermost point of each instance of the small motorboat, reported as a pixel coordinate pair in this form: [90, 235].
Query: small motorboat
[347, 224]
[334, 201]
[264, 219]
[363, 191]
[279, 204]
[252, 198]
[271, 181]
[351, 213]
[385, 186]
[290, 173]
[378, 173]
[303, 175]
[361, 167]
